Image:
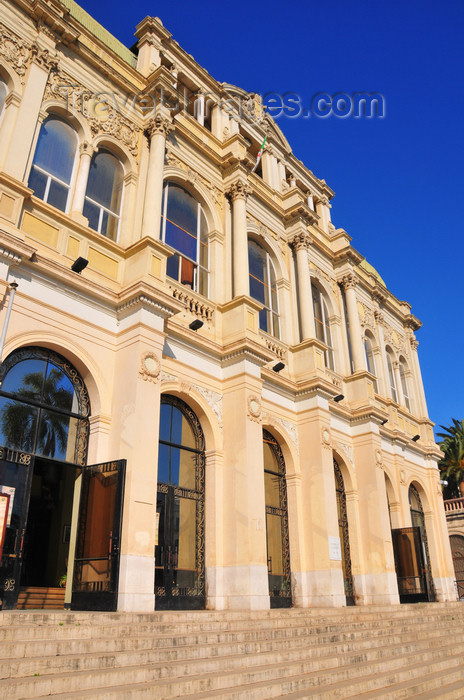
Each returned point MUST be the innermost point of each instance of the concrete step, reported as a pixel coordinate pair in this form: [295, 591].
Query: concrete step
[171, 680]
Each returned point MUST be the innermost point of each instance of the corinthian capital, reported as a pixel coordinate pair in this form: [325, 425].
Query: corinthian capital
[43, 58]
[349, 281]
[300, 240]
[239, 190]
[159, 125]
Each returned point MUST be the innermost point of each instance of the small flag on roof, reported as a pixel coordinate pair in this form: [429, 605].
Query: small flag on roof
[259, 154]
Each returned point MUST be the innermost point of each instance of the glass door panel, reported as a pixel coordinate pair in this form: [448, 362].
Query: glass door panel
[96, 564]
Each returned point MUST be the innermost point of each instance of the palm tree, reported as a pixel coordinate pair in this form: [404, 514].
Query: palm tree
[452, 444]
[18, 419]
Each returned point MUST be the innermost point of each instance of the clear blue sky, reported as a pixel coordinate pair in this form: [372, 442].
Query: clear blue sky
[398, 181]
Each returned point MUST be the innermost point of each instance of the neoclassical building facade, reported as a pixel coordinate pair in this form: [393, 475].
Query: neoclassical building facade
[209, 398]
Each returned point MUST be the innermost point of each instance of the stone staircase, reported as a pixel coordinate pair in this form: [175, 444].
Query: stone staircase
[369, 652]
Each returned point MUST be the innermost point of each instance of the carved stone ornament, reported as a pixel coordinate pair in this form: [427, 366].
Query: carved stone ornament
[15, 51]
[159, 125]
[349, 281]
[44, 58]
[166, 377]
[239, 190]
[118, 126]
[347, 450]
[214, 400]
[254, 409]
[326, 438]
[378, 457]
[403, 477]
[149, 367]
[300, 241]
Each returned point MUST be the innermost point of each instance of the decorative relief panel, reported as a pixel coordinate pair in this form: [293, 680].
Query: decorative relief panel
[346, 449]
[166, 377]
[254, 409]
[171, 158]
[149, 367]
[214, 400]
[16, 52]
[292, 430]
[326, 438]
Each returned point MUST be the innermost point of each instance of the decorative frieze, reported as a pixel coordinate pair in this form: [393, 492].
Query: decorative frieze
[15, 51]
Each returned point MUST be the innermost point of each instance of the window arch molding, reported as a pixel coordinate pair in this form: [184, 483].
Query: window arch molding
[11, 79]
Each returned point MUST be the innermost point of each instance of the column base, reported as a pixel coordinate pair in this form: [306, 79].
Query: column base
[376, 589]
[136, 584]
[445, 589]
[320, 589]
[244, 587]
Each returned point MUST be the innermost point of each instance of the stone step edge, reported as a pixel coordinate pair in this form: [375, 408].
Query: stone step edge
[409, 647]
[128, 690]
[360, 667]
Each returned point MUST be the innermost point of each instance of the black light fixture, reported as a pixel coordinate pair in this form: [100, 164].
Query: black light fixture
[79, 265]
[382, 422]
[195, 325]
[339, 397]
[415, 438]
[278, 367]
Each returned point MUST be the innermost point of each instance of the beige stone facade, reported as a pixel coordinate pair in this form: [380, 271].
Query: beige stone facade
[271, 279]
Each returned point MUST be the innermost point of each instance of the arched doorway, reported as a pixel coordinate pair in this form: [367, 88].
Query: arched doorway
[457, 551]
[44, 427]
[180, 510]
[278, 548]
[344, 534]
[412, 559]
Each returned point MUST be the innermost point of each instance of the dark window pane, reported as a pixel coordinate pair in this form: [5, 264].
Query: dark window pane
[3, 93]
[17, 425]
[165, 422]
[172, 267]
[174, 465]
[176, 426]
[257, 290]
[272, 489]
[55, 149]
[256, 261]
[263, 320]
[37, 182]
[58, 195]
[163, 464]
[58, 390]
[111, 224]
[56, 437]
[182, 209]
[180, 240]
[105, 181]
[92, 212]
[26, 378]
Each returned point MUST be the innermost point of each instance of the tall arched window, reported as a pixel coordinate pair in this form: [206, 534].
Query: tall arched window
[321, 319]
[404, 385]
[53, 163]
[180, 527]
[184, 228]
[44, 406]
[370, 359]
[391, 377]
[104, 193]
[3, 94]
[263, 288]
[277, 539]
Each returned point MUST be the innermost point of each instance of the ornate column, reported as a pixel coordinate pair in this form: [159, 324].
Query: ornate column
[323, 208]
[420, 393]
[238, 193]
[349, 283]
[86, 150]
[300, 244]
[26, 128]
[384, 373]
[158, 129]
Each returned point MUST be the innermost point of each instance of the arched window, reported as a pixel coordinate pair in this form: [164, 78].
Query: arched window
[277, 539]
[3, 94]
[391, 377]
[263, 288]
[321, 319]
[53, 163]
[370, 359]
[184, 228]
[104, 193]
[404, 385]
[180, 540]
[44, 406]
